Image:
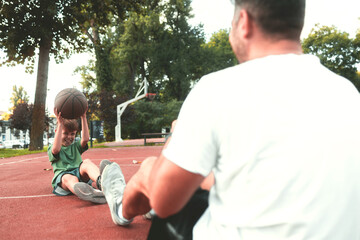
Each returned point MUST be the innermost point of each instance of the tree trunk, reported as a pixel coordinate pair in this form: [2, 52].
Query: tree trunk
[38, 116]
[132, 80]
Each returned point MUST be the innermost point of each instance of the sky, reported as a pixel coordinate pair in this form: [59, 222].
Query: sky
[213, 14]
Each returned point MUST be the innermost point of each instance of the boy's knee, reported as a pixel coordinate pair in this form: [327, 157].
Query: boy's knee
[68, 178]
[87, 161]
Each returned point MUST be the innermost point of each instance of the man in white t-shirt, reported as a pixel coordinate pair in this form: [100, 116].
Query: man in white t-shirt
[280, 132]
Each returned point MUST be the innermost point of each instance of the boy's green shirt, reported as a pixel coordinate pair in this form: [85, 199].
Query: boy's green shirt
[67, 159]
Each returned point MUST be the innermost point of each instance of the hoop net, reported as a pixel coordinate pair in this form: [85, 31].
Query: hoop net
[150, 96]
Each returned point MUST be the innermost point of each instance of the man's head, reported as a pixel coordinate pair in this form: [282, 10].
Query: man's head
[69, 130]
[276, 20]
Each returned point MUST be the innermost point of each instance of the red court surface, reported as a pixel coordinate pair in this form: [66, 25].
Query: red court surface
[29, 210]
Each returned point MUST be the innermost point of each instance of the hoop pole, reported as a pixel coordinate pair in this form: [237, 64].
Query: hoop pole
[121, 107]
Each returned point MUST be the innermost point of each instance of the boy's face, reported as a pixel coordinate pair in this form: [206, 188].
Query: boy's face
[67, 137]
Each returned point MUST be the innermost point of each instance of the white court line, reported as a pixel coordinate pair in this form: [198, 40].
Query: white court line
[34, 196]
[120, 158]
[24, 160]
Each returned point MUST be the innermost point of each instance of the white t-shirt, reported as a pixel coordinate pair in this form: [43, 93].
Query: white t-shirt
[282, 136]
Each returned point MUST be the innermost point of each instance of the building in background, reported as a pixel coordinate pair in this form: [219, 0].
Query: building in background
[14, 138]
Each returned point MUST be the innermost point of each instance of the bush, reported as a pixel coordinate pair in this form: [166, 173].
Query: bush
[150, 117]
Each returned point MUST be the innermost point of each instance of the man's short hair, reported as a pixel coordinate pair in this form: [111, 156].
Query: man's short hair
[281, 19]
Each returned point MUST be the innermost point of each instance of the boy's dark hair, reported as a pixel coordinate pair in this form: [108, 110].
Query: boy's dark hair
[280, 19]
[71, 124]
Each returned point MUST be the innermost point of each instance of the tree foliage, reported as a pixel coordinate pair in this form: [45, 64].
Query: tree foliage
[155, 43]
[96, 18]
[25, 26]
[158, 44]
[336, 50]
[19, 95]
[21, 116]
[21, 110]
[180, 60]
[56, 28]
[218, 53]
[51, 27]
[151, 116]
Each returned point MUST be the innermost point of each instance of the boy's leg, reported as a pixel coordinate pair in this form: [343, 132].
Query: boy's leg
[68, 181]
[84, 191]
[88, 170]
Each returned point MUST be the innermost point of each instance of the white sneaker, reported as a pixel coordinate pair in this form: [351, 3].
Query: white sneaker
[113, 186]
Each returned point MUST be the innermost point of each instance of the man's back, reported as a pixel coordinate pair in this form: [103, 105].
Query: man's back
[287, 137]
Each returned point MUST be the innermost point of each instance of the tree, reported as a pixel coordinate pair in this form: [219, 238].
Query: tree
[21, 110]
[336, 50]
[180, 60]
[157, 43]
[50, 27]
[95, 21]
[134, 48]
[57, 28]
[21, 116]
[19, 95]
[218, 53]
[151, 116]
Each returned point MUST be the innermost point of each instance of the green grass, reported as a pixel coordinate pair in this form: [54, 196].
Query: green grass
[98, 145]
[6, 153]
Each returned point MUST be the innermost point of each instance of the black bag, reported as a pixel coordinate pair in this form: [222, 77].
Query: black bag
[180, 225]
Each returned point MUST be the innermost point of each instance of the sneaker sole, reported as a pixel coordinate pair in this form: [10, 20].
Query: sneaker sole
[103, 164]
[88, 193]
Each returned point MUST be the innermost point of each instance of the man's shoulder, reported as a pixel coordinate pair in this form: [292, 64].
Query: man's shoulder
[222, 72]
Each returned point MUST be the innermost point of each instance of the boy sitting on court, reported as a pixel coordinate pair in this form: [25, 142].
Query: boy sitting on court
[71, 173]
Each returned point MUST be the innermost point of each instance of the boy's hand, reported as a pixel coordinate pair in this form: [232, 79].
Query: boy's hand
[59, 118]
[84, 115]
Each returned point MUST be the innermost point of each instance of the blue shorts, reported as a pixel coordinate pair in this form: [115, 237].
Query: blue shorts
[58, 190]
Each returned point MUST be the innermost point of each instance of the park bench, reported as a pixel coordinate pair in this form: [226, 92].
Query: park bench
[147, 135]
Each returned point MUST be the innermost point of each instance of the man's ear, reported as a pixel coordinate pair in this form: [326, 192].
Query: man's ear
[245, 23]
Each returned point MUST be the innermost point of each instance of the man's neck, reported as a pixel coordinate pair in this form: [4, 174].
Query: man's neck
[265, 48]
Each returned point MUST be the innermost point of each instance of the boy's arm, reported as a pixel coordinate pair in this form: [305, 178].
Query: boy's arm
[85, 131]
[57, 140]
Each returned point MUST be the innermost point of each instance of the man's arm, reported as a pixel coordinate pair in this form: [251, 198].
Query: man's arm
[170, 187]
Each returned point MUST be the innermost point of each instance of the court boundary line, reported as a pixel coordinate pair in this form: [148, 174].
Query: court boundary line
[31, 196]
[23, 160]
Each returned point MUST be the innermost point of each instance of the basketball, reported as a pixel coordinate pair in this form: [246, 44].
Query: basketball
[71, 103]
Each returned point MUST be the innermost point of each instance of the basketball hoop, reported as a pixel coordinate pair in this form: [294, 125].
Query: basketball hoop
[150, 96]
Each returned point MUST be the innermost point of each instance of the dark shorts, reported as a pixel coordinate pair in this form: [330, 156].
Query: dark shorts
[180, 225]
[58, 190]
